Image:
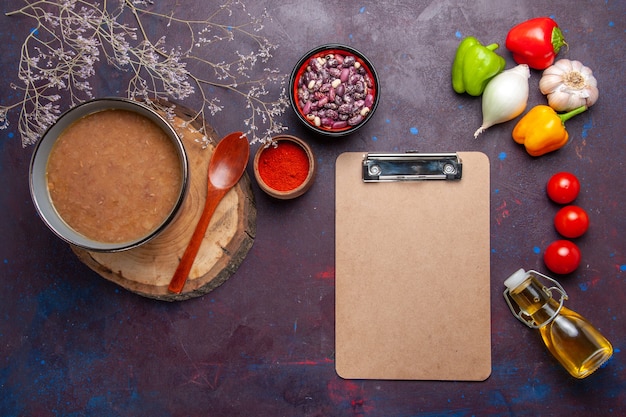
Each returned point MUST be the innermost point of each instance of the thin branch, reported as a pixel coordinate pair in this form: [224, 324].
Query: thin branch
[60, 57]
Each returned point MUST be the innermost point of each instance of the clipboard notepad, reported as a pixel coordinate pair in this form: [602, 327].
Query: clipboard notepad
[412, 275]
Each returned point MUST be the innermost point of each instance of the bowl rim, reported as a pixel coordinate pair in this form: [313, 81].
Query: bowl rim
[369, 66]
[299, 190]
[38, 172]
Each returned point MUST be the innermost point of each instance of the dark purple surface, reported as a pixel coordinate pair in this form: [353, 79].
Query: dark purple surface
[262, 344]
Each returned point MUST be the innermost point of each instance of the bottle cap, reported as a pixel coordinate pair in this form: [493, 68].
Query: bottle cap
[516, 279]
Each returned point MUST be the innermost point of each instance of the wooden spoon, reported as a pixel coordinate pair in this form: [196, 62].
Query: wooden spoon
[226, 167]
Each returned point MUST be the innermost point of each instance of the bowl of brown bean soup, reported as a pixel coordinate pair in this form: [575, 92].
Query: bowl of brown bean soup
[334, 90]
[109, 175]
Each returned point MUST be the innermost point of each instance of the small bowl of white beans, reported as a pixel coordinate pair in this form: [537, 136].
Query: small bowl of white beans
[334, 90]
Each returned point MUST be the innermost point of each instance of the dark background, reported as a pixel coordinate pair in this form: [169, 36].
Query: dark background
[71, 343]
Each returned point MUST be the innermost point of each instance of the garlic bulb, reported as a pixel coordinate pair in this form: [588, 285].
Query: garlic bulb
[568, 85]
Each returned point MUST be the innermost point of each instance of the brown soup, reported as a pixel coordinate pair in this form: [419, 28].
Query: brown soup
[114, 176]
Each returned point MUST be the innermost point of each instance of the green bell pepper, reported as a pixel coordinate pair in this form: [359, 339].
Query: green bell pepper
[474, 65]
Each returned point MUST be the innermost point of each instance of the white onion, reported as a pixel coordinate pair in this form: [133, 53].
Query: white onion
[505, 97]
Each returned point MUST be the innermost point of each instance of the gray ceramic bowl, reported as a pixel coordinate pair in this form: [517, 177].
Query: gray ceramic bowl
[38, 173]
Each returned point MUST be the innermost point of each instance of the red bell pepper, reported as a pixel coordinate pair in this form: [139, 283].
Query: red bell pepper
[535, 42]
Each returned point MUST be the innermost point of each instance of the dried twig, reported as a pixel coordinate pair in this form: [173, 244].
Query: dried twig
[74, 38]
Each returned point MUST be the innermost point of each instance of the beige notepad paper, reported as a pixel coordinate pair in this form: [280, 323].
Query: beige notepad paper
[412, 275]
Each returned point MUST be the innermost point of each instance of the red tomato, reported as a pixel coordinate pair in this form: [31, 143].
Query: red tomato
[571, 221]
[563, 187]
[562, 257]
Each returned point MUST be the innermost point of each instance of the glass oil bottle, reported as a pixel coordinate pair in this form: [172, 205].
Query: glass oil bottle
[571, 339]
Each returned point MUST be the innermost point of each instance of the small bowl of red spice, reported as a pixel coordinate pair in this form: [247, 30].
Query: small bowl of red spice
[285, 168]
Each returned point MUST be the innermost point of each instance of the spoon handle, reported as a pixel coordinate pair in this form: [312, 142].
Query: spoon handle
[213, 198]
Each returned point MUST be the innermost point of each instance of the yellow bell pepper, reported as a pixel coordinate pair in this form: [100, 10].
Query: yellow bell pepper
[542, 129]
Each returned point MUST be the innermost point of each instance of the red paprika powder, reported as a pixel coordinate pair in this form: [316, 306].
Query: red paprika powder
[284, 167]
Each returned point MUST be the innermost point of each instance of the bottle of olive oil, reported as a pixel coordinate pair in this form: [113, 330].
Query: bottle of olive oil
[573, 341]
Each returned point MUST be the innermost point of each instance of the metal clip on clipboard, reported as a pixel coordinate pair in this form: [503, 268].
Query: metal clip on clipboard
[411, 166]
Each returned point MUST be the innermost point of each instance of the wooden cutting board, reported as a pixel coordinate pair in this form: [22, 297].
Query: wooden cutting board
[148, 269]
